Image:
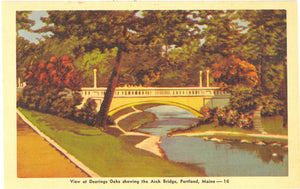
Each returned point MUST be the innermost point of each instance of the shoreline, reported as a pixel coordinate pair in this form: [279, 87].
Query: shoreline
[254, 138]
[211, 133]
[150, 144]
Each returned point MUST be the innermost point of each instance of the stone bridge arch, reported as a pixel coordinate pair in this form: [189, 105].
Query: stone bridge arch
[190, 109]
[191, 98]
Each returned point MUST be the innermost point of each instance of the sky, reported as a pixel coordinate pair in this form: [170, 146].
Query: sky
[31, 36]
[36, 16]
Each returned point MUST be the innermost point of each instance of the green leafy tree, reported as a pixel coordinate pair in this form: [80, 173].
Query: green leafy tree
[24, 56]
[222, 33]
[95, 59]
[184, 65]
[266, 47]
[22, 20]
[142, 66]
[265, 44]
[244, 99]
[24, 48]
[218, 39]
[256, 36]
[123, 30]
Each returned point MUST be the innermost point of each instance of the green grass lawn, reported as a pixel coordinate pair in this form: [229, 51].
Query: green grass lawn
[251, 139]
[274, 125]
[107, 155]
[121, 112]
[215, 127]
[132, 139]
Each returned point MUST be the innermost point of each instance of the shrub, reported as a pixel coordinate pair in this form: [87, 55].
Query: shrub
[58, 72]
[243, 98]
[221, 116]
[208, 115]
[271, 106]
[245, 121]
[230, 117]
[46, 99]
[87, 114]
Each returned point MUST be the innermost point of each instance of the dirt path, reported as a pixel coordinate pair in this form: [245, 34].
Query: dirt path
[36, 158]
[150, 144]
[204, 133]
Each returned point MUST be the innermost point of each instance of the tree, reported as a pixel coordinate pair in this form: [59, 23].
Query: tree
[256, 36]
[22, 20]
[233, 71]
[95, 59]
[24, 48]
[142, 66]
[221, 34]
[219, 39]
[266, 45]
[23, 55]
[57, 73]
[51, 87]
[123, 30]
[184, 65]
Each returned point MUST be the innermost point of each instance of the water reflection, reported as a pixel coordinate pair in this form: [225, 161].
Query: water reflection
[225, 159]
[218, 159]
[265, 153]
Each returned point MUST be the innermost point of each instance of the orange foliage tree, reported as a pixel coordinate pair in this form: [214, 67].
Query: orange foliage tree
[58, 72]
[234, 71]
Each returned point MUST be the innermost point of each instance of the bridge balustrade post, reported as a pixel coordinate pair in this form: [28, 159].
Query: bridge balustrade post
[200, 79]
[207, 79]
[95, 78]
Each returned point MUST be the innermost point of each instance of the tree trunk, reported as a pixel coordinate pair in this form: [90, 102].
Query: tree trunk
[284, 94]
[101, 119]
[262, 70]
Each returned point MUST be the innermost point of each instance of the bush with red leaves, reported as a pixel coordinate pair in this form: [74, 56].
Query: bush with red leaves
[58, 72]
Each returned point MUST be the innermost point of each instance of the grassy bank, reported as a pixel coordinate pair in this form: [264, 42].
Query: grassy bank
[251, 139]
[224, 136]
[121, 112]
[212, 127]
[106, 155]
[272, 125]
[135, 120]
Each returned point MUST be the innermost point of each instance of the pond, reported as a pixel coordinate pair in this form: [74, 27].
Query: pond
[218, 159]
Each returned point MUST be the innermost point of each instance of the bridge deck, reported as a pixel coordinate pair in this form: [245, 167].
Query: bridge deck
[192, 97]
[156, 91]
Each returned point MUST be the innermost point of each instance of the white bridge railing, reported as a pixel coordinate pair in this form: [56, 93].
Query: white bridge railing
[155, 92]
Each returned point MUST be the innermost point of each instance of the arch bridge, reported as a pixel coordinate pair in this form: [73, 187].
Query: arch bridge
[191, 98]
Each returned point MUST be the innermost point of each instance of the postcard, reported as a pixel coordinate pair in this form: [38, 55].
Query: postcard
[151, 94]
